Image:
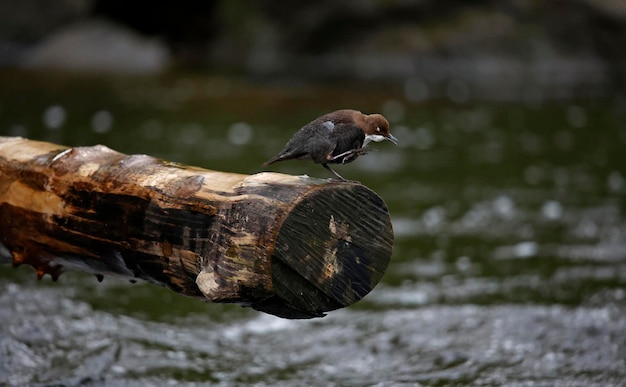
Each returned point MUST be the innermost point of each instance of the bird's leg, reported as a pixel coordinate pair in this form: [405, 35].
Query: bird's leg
[339, 177]
[333, 172]
[351, 152]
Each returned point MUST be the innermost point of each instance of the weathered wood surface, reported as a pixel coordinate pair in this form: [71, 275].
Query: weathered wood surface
[291, 246]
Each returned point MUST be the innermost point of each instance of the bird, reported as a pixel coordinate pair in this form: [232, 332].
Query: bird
[335, 138]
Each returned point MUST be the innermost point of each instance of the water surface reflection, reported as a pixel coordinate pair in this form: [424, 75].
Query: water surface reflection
[509, 265]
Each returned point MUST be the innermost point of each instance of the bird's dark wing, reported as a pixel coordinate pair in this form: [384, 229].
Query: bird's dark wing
[347, 137]
[306, 143]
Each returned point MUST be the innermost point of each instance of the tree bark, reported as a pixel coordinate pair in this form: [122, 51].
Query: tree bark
[295, 247]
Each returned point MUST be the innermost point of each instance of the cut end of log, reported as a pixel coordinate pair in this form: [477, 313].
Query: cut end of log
[332, 249]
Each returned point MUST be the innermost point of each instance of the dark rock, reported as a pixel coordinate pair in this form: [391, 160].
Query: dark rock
[100, 47]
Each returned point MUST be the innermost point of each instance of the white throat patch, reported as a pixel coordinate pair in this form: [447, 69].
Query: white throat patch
[329, 125]
[372, 137]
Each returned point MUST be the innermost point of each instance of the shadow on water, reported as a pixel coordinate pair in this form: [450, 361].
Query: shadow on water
[509, 265]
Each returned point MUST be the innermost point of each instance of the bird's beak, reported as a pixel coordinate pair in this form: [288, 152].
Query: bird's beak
[392, 138]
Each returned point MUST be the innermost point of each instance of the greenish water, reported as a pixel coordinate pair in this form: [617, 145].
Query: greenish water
[509, 265]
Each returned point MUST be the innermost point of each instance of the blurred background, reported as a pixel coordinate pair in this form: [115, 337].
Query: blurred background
[507, 191]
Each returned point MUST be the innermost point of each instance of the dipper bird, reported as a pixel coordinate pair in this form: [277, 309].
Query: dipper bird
[335, 138]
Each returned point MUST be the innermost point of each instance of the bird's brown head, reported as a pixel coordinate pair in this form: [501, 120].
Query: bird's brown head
[376, 128]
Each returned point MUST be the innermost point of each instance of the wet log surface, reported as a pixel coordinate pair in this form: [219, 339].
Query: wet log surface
[291, 246]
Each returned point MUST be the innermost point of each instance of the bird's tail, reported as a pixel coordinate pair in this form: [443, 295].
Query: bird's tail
[271, 161]
[282, 156]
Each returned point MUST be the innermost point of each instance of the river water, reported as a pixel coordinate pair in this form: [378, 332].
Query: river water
[509, 262]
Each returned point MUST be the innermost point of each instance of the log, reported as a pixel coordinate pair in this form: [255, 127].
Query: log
[294, 247]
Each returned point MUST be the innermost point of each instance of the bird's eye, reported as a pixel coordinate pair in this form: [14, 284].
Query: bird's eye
[377, 129]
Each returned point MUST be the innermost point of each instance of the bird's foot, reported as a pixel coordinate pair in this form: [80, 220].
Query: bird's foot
[338, 178]
[349, 155]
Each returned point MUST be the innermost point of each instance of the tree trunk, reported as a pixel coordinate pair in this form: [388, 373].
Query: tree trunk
[295, 247]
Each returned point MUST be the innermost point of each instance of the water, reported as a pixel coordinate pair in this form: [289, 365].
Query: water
[509, 265]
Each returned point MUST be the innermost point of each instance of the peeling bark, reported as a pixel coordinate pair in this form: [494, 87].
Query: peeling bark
[291, 246]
